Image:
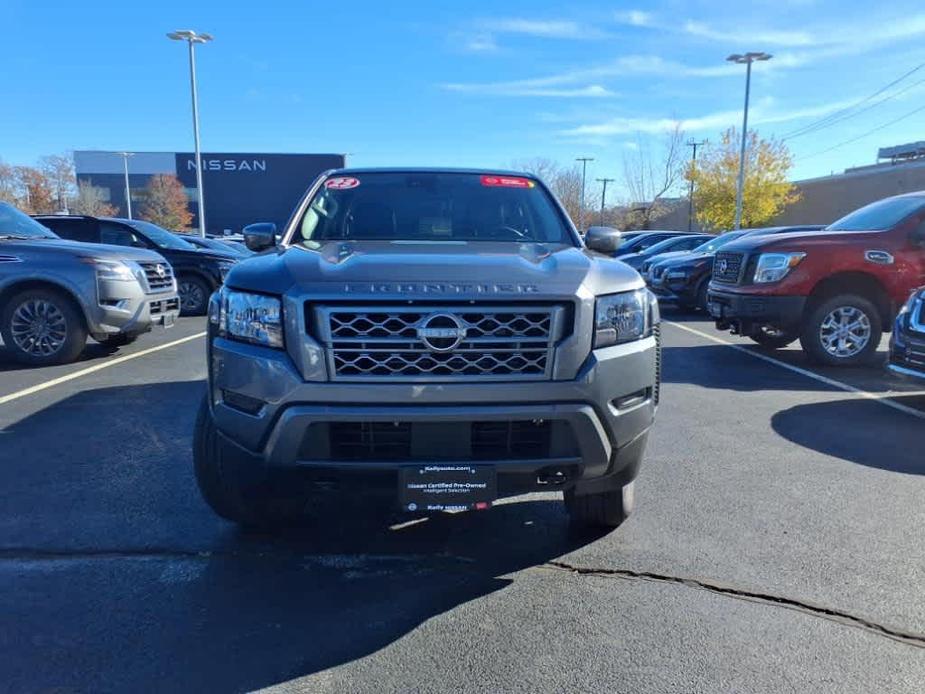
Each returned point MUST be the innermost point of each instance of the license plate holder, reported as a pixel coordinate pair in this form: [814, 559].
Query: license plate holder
[447, 487]
[716, 309]
[168, 320]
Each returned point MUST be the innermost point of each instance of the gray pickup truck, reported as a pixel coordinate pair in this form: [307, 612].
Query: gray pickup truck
[442, 336]
[56, 293]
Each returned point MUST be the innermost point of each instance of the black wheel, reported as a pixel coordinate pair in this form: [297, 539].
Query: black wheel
[118, 340]
[773, 338]
[41, 327]
[842, 331]
[601, 510]
[230, 489]
[194, 295]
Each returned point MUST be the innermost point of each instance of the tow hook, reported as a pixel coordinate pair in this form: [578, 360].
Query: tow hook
[554, 477]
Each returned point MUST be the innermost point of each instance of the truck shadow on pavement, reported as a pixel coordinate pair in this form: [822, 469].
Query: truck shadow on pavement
[92, 352]
[114, 576]
[843, 429]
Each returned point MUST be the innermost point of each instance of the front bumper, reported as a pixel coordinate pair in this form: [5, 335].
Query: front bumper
[125, 309]
[744, 311]
[265, 411]
[677, 291]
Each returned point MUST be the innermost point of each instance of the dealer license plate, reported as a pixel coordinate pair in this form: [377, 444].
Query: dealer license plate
[448, 487]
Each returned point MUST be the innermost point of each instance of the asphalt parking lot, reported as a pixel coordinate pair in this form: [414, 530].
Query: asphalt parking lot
[777, 546]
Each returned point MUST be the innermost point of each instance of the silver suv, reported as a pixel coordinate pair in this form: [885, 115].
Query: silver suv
[443, 336]
[55, 293]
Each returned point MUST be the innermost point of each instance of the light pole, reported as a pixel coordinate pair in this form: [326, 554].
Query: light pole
[747, 59]
[581, 204]
[192, 38]
[690, 194]
[128, 190]
[605, 181]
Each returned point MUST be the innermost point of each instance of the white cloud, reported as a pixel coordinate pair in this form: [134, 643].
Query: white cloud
[515, 89]
[556, 29]
[480, 43]
[636, 18]
[740, 36]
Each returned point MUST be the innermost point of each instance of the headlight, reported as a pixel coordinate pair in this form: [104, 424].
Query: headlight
[118, 270]
[224, 267]
[910, 302]
[249, 317]
[773, 267]
[624, 317]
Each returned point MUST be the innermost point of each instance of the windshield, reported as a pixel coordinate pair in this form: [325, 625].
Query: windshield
[880, 215]
[432, 207]
[161, 237]
[662, 246]
[713, 245]
[19, 224]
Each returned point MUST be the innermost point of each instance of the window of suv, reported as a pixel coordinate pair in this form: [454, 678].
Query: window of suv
[161, 238]
[119, 235]
[880, 215]
[433, 207]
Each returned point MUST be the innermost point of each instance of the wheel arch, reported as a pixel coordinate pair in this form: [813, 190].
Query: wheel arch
[853, 282]
[17, 286]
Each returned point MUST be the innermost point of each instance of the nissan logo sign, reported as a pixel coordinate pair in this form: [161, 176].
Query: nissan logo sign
[723, 266]
[160, 270]
[441, 332]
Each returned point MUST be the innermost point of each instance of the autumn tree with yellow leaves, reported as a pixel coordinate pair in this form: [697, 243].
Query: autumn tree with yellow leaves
[767, 188]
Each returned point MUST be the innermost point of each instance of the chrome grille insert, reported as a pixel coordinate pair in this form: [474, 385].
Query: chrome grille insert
[159, 276]
[439, 342]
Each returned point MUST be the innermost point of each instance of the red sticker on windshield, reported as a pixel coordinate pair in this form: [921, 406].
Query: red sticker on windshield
[507, 182]
[342, 183]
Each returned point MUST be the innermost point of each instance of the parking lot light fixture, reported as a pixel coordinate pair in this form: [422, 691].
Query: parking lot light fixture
[747, 59]
[192, 38]
[128, 189]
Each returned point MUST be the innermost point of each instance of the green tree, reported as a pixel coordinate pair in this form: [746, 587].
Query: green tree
[767, 188]
[166, 204]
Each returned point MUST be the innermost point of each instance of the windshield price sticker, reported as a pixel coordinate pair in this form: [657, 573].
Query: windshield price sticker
[507, 182]
[342, 183]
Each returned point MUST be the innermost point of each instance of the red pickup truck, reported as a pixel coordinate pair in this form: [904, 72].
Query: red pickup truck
[835, 290]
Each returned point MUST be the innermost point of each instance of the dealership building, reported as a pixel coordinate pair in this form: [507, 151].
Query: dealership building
[240, 188]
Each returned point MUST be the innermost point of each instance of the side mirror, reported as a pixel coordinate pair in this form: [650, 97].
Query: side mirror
[260, 236]
[604, 240]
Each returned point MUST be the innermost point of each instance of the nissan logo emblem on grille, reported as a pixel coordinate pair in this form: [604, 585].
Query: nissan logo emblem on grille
[161, 272]
[441, 332]
[723, 266]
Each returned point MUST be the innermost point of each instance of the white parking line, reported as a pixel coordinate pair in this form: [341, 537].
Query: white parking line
[92, 369]
[881, 399]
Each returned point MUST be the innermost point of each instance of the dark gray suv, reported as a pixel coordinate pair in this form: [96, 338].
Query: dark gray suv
[443, 336]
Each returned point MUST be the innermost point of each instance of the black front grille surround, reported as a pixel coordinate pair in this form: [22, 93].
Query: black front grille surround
[440, 342]
[727, 267]
[404, 441]
[159, 276]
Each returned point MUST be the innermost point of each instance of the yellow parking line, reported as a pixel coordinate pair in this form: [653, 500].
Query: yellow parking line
[4, 399]
[882, 399]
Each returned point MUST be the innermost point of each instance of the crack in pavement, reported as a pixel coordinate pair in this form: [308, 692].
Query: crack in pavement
[828, 613]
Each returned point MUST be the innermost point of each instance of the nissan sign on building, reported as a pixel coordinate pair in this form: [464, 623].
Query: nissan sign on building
[239, 188]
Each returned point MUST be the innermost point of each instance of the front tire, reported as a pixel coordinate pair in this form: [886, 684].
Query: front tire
[223, 479]
[601, 510]
[842, 331]
[194, 295]
[42, 327]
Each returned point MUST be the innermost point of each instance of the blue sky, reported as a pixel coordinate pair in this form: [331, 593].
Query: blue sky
[474, 84]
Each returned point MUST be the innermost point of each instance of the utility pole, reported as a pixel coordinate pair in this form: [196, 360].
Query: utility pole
[605, 181]
[690, 194]
[581, 209]
[128, 190]
[747, 60]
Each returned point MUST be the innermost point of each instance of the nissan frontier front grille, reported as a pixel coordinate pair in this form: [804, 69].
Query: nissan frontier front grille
[440, 343]
[727, 267]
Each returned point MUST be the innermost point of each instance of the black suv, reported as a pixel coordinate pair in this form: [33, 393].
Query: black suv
[199, 272]
[907, 343]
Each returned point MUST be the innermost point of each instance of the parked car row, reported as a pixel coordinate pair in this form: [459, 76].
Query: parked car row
[836, 289]
[67, 278]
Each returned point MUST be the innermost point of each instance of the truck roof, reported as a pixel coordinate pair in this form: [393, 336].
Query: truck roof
[350, 170]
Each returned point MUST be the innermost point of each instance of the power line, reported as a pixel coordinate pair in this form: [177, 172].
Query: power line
[863, 135]
[838, 115]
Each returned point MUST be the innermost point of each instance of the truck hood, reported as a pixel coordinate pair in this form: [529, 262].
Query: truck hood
[678, 258]
[461, 269]
[796, 241]
[77, 248]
